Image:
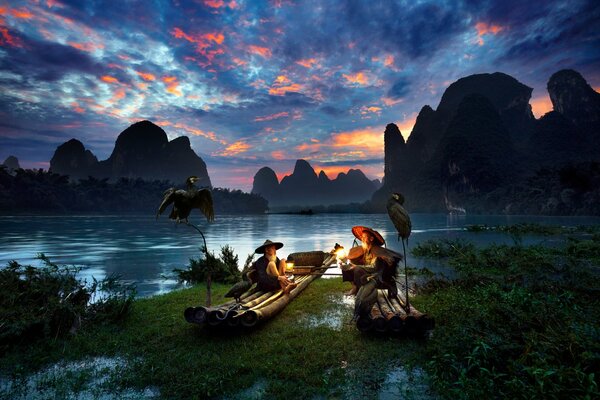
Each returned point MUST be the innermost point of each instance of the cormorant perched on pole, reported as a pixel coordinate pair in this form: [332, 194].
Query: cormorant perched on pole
[184, 200]
[401, 221]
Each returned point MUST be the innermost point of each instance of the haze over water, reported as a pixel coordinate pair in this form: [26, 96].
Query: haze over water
[143, 250]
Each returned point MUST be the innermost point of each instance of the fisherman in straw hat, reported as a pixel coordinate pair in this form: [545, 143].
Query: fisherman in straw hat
[270, 270]
[371, 259]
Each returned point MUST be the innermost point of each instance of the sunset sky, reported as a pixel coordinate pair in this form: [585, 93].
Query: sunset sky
[263, 83]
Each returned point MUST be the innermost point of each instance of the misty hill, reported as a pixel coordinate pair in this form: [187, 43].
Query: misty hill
[483, 142]
[141, 151]
[305, 188]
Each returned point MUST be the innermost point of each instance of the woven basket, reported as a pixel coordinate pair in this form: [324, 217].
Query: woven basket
[307, 258]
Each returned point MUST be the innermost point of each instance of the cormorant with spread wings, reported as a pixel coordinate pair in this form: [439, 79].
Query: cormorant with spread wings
[185, 200]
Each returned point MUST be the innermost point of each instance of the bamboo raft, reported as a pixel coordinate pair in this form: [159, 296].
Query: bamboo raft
[256, 306]
[390, 314]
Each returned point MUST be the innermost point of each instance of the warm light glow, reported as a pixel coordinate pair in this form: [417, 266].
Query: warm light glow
[289, 266]
[541, 105]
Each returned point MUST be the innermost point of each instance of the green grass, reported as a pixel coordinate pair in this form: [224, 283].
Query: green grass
[517, 322]
[187, 361]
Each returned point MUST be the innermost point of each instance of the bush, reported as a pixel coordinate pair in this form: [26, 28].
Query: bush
[223, 269]
[51, 301]
[519, 322]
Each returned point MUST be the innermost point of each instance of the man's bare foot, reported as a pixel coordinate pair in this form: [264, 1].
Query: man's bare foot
[289, 288]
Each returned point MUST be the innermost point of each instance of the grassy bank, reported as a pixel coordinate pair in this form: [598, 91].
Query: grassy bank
[309, 349]
[518, 322]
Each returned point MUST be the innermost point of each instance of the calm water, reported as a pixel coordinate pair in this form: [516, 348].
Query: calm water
[143, 250]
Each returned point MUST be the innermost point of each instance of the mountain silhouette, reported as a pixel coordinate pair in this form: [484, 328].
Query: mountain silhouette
[11, 163]
[304, 188]
[141, 151]
[483, 141]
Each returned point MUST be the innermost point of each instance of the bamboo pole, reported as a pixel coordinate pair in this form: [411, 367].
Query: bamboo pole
[379, 321]
[395, 324]
[252, 317]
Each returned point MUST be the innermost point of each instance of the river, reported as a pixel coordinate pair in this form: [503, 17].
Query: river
[144, 251]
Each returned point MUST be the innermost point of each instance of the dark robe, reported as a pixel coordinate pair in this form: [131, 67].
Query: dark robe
[265, 281]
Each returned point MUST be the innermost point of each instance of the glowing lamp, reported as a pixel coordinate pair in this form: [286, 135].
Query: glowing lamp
[289, 266]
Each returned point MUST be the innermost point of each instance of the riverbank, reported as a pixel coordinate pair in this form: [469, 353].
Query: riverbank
[517, 322]
[310, 349]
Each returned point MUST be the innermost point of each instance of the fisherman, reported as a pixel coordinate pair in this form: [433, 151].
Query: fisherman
[371, 261]
[270, 270]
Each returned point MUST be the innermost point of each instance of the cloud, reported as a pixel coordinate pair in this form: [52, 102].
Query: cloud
[234, 149]
[272, 116]
[48, 61]
[264, 52]
[399, 89]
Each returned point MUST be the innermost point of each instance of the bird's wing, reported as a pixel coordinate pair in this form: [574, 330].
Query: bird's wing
[168, 199]
[203, 200]
[400, 219]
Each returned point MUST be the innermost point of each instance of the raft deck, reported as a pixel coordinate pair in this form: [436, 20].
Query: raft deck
[256, 306]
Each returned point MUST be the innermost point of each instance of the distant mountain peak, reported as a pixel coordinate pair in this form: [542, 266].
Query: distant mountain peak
[142, 150]
[303, 187]
[573, 97]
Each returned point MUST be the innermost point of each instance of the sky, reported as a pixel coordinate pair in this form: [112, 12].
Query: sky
[264, 83]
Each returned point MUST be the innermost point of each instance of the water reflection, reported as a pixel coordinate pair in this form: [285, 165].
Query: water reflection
[142, 250]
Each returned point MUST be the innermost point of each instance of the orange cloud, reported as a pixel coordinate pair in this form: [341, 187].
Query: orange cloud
[178, 33]
[23, 13]
[119, 95]
[7, 39]
[364, 110]
[388, 101]
[146, 76]
[77, 108]
[109, 79]
[272, 116]
[484, 29]
[282, 90]
[281, 79]
[235, 148]
[359, 78]
[194, 131]
[172, 85]
[204, 44]
[541, 105]
[307, 62]
[220, 4]
[388, 61]
[89, 47]
[278, 155]
[309, 148]
[366, 139]
[264, 52]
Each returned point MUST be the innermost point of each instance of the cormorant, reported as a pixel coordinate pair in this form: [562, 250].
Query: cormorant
[401, 221]
[239, 288]
[184, 200]
[399, 216]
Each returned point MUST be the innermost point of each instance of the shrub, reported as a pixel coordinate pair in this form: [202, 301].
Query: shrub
[51, 301]
[223, 269]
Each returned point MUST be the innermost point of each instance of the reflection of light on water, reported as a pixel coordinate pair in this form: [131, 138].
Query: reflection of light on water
[142, 249]
[89, 378]
[403, 383]
[333, 318]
